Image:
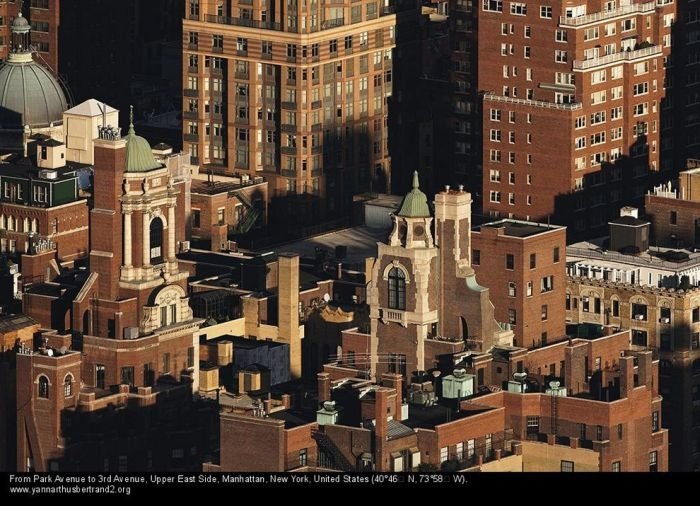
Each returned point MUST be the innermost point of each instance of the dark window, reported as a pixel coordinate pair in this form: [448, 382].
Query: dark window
[111, 328]
[555, 255]
[585, 304]
[156, 235]
[568, 301]
[655, 421]
[480, 377]
[166, 363]
[149, 376]
[639, 312]
[99, 376]
[476, 257]
[599, 432]
[397, 363]
[695, 340]
[567, 466]
[43, 387]
[582, 428]
[533, 260]
[190, 356]
[510, 262]
[639, 337]
[397, 289]
[596, 305]
[619, 431]
[127, 377]
[673, 218]
[616, 308]
[696, 314]
[68, 386]
[303, 457]
[196, 223]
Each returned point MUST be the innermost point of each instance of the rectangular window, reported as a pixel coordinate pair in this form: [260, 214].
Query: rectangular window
[653, 461]
[476, 257]
[616, 466]
[511, 289]
[555, 255]
[533, 260]
[512, 317]
[529, 289]
[546, 11]
[655, 421]
[510, 261]
[544, 312]
[166, 363]
[567, 466]
[127, 376]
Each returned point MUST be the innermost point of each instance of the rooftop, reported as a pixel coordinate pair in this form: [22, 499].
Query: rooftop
[655, 257]
[428, 417]
[11, 322]
[206, 184]
[630, 221]
[518, 228]
[361, 242]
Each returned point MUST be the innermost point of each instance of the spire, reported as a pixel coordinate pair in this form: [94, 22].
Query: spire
[131, 121]
[415, 204]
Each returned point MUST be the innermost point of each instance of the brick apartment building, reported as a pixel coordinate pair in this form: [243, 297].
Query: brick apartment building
[675, 212]
[523, 266]
[296, 93]
[223, 205]
[571, 100]
[602, 415]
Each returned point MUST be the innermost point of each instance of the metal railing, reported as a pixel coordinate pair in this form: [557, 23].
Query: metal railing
[533, 103]
[615, 57]
[599, 16]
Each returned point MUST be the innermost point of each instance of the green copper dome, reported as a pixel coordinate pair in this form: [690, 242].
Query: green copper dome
[415, 204]
[139, 157]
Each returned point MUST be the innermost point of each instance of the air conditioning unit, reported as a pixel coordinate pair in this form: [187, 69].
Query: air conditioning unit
[184, 246]
[131, 333]
[639, 317]
[585, 299]
[232, 246]
[665, 320]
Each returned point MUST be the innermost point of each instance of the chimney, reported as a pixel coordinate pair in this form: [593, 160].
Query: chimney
[324, 386]
[626, 376]
[381, 405]
[395, 381]
[286, 401]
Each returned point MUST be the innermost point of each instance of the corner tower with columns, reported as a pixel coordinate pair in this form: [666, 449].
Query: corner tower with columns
[136, 291]
[424, 287]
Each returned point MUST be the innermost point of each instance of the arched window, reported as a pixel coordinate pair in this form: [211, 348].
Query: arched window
[156, 241]
[68, 385]
[43, 387]
[397, 289]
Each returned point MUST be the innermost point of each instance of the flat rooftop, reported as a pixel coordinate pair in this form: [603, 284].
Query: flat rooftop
[361, 242]
[518, 228]
[672, 259]
[12, 322]
[427, 417]
[209, 184]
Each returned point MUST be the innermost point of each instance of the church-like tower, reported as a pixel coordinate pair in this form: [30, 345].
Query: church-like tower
[422, 288]
[403, 291]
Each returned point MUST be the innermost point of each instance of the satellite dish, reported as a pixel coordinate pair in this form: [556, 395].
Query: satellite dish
[49, 352]
[63, 350]
[326, 297]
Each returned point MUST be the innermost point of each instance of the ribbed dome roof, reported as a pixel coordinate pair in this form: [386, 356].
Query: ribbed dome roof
[139, 156]
[415, 204]
[28, 89]
[20, 22]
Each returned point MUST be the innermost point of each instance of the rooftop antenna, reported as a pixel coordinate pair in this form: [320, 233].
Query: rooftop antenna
[104, 114]
[131, 120]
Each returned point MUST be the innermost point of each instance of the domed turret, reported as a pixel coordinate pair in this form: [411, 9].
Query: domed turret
[30, 95]
[139, 156]
[415, 203]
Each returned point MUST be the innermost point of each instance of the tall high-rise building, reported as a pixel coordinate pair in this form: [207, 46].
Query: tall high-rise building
[572, 97]
[296, 91]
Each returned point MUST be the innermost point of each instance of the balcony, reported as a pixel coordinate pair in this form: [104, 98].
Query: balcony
[600, 16]
[189, 114]
[332, 23]
[188, 92]
[288, 173]
[289, 128]
[637, 54]
[249, 23]
[533, 103]
[393, 316]
[285, 150]
[191, 137]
